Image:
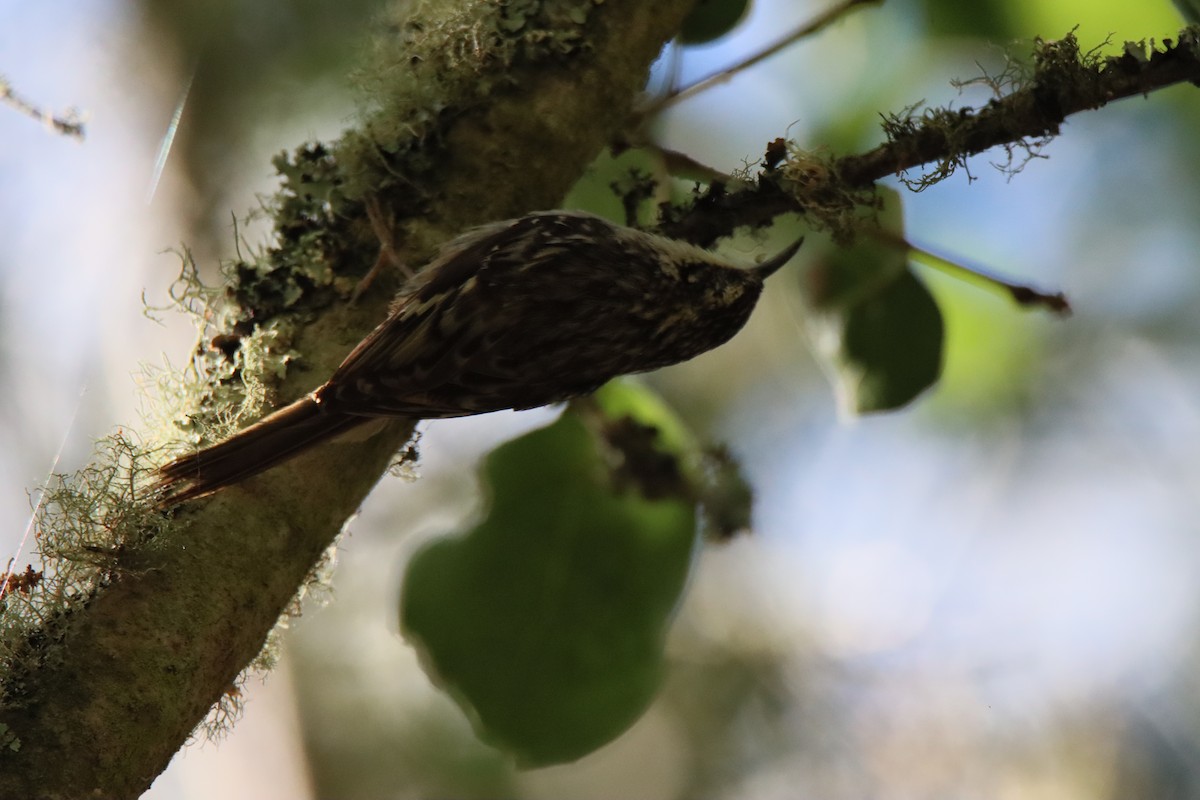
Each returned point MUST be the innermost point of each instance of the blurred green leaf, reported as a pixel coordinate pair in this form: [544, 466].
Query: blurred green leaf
[986, 19]
[712, 19]
[891, 346]
[873, 321]
[1190, 10]
[546, 620]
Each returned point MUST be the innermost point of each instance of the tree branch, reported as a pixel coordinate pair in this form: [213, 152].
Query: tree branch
[1064, 82]
[830, 190]
[480, 111]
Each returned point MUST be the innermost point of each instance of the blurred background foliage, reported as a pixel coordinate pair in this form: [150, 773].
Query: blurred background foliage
[992, 593]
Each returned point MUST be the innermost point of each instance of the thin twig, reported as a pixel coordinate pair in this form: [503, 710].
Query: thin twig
[814, 25]
[1022, 294]
[69, 125]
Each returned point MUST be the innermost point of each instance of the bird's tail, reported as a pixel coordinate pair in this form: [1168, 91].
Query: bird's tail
[271, 440]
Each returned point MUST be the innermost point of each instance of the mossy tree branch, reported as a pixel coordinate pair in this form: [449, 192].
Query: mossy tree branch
[1064, 81]
[480, 111]
[1061, 81]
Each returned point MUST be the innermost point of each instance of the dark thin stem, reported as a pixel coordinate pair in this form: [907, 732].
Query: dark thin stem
[66, 125]
[1022, 294]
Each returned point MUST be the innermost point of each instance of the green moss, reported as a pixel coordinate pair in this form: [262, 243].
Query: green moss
[829, 203]
[86, 526]
[234, 368]
[422, 75]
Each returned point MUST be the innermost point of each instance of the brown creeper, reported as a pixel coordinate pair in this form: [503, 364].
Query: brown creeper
[514, 314]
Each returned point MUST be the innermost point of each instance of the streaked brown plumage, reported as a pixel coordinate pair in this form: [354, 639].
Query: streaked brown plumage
[512, 315]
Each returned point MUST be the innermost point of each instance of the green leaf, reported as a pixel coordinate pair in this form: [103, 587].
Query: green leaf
[873, 321]
[1190, 10]
[546, 621]
[891, 346]
[712, 19]
[987, 19]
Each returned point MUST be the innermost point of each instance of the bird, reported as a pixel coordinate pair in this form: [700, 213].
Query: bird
[516, 314]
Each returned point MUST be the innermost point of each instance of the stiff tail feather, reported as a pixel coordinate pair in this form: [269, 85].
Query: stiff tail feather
[264, 444]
